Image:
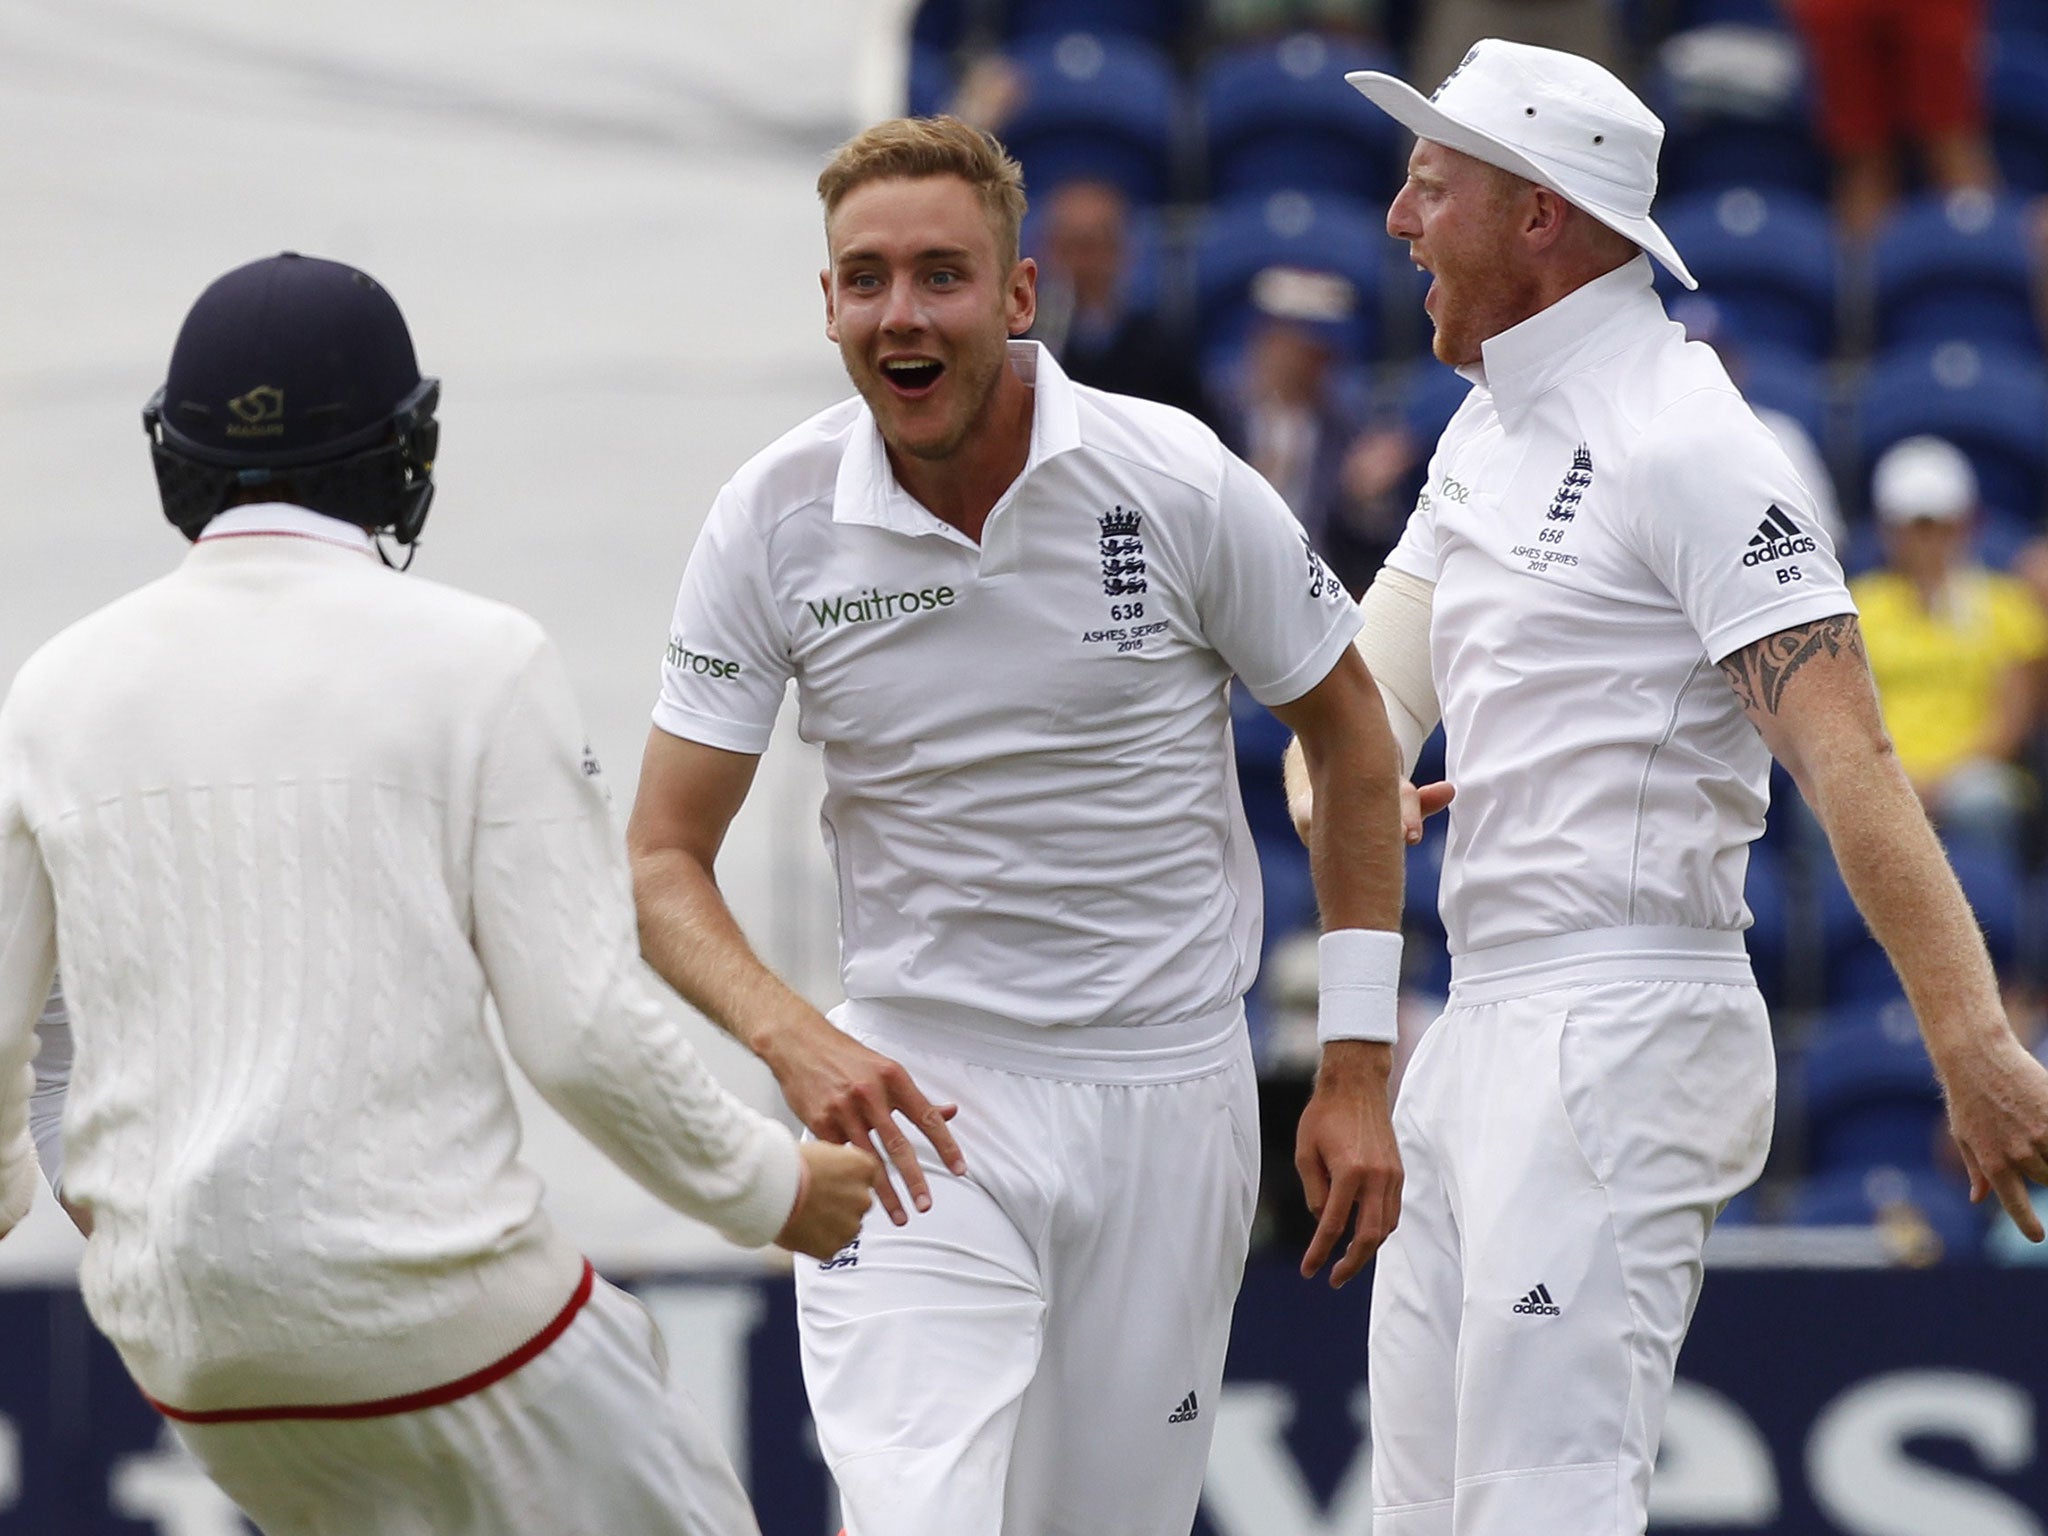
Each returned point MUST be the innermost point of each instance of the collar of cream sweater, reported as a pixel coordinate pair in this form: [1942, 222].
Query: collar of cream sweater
[276, 519]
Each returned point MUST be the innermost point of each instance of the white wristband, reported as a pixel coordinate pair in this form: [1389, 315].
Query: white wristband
[1358, 985]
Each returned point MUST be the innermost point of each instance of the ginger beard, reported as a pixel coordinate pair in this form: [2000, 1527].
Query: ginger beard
[923, 304]
[1459, 217]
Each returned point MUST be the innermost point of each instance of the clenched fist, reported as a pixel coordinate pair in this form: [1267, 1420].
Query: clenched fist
[839, 1184]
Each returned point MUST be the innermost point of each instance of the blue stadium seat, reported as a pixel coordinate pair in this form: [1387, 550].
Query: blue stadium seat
[2018, 17]
[1779, 379]
[1728, 13]
[1770, 907]
[944, 24]
[1854, 968]
[1158, 22]
[1767, 256]
[2016, 97]
[931, 80]
[1238, 240]
[1869, 1091]
[1278, 115]
[1991, 402]
[1994, 882]
[1260, 740]
[1097, 106]
[1955, 268]
[1427, 394]
[1743, 1211]
[1427, 963]
[1855, 1197]
[1721, 134]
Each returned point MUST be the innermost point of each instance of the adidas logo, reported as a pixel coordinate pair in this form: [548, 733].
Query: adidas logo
[1777, 537]
[1186, 1413]
[1538, 1304]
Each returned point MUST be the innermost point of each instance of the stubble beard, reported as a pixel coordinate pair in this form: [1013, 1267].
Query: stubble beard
[977, 387]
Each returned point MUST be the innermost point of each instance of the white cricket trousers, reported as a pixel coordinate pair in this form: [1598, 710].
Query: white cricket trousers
[587, 1439]
[1570, 1128]
[1040, 1354]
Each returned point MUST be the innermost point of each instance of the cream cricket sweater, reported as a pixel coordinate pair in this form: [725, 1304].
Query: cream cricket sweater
[295, 818]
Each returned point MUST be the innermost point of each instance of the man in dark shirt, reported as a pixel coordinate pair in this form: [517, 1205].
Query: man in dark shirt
[1085, 314]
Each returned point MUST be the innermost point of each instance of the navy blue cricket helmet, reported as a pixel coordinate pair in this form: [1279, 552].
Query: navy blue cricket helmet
[297, 373]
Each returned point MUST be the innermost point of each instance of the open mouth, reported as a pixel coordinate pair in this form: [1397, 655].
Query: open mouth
[912, 375]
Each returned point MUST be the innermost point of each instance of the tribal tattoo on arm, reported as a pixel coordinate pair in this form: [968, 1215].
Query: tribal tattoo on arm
[1759, 672]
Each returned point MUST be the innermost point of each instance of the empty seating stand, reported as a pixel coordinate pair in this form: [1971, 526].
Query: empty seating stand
[1767, 256]
[1280, 115]
[1097, 106]
[1955, 268]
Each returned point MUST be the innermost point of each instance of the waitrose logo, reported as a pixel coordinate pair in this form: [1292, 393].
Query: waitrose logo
[873, 604]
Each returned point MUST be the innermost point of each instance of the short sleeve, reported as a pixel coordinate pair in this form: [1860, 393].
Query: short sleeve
[1714, 507]
[727, 663]
[1415, 553]
[1268, 604]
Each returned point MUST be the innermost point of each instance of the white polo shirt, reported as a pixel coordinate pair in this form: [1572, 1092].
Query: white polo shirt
[1030, 794]
[1605, 519]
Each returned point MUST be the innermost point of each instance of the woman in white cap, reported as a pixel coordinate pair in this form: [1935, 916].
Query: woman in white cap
[1614, 594]
[1956, 648]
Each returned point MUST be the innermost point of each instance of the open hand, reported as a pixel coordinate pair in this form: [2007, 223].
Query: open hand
[844, 1092]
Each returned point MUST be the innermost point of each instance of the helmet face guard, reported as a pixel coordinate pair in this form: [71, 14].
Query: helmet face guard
[386, 486]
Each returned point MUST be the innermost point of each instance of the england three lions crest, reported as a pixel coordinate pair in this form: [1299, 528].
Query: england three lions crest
[1564, 506]
[1123, 551]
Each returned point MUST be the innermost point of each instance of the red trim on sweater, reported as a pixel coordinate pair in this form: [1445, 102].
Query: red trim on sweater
[283, 533]
[412, 1402]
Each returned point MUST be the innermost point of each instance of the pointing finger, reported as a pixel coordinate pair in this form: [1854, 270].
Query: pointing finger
[1330, 1229]
[2012, 1194]
[931, 1119]
[885, 1191]
[900, 1152]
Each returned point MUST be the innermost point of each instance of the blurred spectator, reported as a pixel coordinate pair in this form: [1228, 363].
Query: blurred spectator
[1447, 29]
[1956, 649]
[1085, 315]
[1704, 321]
[989, 94]
[1893, 69]
[1284, 412]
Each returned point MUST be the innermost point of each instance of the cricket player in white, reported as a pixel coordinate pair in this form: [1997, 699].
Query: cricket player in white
[292, 820]
[1615, 593]
[1011, 606]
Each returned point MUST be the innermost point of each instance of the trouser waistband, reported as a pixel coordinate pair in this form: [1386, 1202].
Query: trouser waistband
[1594, 955]
[1092, 1053]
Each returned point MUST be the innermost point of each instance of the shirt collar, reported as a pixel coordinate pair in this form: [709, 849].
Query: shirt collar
[278, 519]
[867, 491]
[1590, 323]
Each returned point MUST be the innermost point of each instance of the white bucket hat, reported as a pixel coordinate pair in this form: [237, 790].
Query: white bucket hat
[1553, 118]
[1923, 479]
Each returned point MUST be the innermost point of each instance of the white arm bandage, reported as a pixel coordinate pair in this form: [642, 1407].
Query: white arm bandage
[1395, 644]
